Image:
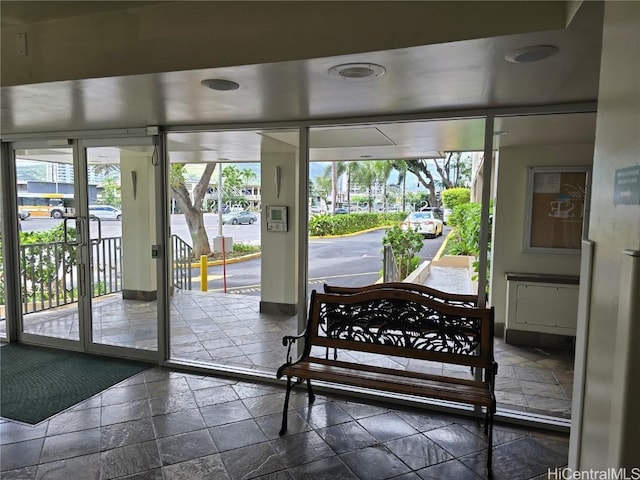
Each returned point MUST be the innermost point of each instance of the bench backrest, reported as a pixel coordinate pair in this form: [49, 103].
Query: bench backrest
[401, 323]
[462, 300]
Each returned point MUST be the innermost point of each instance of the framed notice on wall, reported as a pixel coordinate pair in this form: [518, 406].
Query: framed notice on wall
[557, 200]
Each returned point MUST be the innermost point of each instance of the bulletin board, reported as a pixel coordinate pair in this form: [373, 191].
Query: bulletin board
[556, 209]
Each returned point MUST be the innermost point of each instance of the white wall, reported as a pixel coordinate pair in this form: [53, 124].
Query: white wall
[509, 217]
[278, 272]
[613, 228]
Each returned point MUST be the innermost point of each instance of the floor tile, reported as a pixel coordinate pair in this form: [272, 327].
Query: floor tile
[387, 426]
[209, 467]
[236, 435]
[374, 463]
[347, 437]
[252, 461]
[129, 460]
[186, 446]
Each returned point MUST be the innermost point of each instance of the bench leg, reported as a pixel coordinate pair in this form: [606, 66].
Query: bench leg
[312, 397]
[283, 429]
[490, 442]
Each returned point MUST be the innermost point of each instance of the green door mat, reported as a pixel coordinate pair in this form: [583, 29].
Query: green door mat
[37, 382]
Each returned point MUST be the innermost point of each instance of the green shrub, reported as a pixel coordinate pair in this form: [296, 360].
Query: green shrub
[453, 197]
[245, 248]
[323, 225]
[464, 239]
[405, 246]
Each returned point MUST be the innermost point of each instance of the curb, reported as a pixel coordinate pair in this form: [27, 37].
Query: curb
[316, 237]
[215, 263]
[442, 247]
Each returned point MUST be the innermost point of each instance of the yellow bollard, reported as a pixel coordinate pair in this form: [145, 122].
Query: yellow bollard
[203, 273]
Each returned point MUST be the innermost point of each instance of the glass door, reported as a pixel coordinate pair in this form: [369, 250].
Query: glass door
[49, 244]
[87, 226]
[122, 273]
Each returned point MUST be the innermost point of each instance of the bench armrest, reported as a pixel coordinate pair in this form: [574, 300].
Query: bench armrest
[288, 341]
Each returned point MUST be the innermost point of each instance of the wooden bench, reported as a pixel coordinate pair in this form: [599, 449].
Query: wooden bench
[400, 323]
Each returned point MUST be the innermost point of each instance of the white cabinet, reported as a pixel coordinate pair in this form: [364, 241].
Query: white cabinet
[542, 303]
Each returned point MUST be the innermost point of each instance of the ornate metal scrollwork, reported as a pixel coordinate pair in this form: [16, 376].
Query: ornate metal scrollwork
[401, 324]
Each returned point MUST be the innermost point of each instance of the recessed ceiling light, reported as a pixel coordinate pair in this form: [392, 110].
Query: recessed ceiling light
[356, 71]
[533, 53]
[220, 84]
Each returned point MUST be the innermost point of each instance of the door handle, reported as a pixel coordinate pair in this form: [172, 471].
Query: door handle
[79, 235]
[97, 241]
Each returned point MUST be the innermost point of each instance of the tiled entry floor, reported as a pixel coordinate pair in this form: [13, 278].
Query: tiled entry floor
[162, 424]
[219, 329]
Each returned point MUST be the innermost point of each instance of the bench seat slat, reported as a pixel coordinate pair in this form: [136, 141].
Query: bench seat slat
[476, 393]
[392, 371]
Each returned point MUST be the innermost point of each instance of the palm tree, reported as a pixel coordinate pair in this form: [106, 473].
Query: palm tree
[401, 167]
[383, 170]
[351, 170]
[366, 176]
[247, 175]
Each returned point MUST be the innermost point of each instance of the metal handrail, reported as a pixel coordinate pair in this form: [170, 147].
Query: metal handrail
[49, 278]
[389, 267]
[181, 253]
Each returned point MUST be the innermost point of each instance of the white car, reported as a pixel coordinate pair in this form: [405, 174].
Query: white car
[104, 212]
[427, 223]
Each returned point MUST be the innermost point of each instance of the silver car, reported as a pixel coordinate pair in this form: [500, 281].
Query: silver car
[104, 212]
[239, 218]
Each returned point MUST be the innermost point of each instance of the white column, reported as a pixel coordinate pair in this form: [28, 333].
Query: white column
[279, 279]
[138, 225]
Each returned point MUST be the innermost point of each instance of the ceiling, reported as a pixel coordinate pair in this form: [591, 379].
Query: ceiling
[445, 77]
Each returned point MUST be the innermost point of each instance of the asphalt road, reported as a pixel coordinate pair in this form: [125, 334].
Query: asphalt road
[348, 261]
[113, 228]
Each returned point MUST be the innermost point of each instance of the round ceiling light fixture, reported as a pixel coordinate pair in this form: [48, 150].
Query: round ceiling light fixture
[533, 53]
[357, 71]
[220, 84]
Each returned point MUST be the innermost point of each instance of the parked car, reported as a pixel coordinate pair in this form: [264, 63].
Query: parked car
[437, 210]
[104, 212]
[427, 223]
[23, 214]
[239, 218]
[341, 211]
[445, 216]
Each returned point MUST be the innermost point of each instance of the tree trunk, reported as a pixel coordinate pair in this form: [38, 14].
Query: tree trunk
[334, 186]
[193, 213]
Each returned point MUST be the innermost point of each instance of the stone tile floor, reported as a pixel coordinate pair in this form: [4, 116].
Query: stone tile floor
[164, 424]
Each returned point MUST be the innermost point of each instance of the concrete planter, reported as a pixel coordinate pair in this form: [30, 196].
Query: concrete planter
[459, 261]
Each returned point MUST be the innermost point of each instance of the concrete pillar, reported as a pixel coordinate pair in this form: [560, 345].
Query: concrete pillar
[279, 284]
[607, 433]
[138, 225]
